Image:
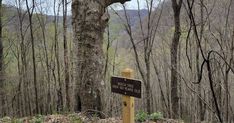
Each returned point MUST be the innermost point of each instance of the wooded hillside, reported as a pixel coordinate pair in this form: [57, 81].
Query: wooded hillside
[57, 60]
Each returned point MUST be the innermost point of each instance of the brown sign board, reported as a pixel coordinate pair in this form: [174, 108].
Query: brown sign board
[129, 87]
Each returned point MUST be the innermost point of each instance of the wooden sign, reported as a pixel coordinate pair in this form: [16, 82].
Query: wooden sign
[125, 86]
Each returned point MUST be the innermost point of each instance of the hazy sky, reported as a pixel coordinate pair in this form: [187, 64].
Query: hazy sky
[133, 4]
[49, 5]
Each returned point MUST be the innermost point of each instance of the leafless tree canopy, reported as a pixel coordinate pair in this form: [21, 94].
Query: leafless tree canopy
[58, 56]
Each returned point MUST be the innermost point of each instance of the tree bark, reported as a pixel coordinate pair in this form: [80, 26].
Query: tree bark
[30, 14]
[1, 65]
[23, 66]
[174, 49]
[60, 100]
[66, 62]
[201, 109]
[43, 25]
[89, 19]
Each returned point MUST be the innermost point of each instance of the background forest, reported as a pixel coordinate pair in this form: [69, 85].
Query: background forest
[182, 52]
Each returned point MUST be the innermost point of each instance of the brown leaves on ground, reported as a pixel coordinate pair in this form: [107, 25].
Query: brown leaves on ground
[73, 118]
[57, 119]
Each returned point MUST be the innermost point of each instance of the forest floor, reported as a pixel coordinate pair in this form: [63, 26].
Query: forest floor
[72, 118]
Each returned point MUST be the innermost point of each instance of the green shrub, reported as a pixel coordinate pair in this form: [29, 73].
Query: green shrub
[156, 116]
[37, 119]
[17, 121]
[5, 120]
[141, 116]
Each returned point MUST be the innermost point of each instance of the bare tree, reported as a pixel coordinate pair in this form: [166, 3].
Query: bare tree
[30, 11]
[60, 100]
[148, 27]
[66, 61]
[1, 63]
[211, 62]
[23, 104]
[176, 5]
[42, 24]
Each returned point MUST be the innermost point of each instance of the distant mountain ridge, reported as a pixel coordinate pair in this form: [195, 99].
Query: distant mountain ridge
[133, 15]
[11, 18]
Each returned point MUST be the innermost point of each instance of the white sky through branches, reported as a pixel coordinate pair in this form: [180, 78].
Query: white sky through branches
[47, 5]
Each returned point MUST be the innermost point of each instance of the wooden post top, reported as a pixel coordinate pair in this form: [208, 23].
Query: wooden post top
[128, 73]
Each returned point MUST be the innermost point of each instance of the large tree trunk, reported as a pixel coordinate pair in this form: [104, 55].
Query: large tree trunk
[89, 20]
[174, 48]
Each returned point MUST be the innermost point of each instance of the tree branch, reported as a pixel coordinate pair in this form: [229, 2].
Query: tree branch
[109, 2]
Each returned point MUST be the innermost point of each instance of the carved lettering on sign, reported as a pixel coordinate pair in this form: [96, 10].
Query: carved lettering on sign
[129, 87]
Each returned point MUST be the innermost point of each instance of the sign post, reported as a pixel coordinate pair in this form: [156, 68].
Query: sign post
[129, 88]
[128, 101]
